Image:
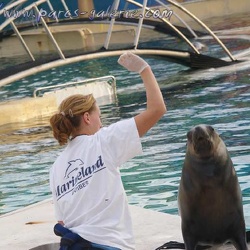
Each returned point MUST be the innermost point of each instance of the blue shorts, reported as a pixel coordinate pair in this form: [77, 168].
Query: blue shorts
[103, 247]
[77, 240]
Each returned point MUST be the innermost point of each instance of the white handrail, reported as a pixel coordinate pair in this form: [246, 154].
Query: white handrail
[12, 5]
[204, 26]
[22, 40]
[63, 62]
[112, 22]
[50, 35]
[77, 83]
[52, 10]
[12, 18]
[139, 27]
[180, 19]
[169, 24]
[66, 8]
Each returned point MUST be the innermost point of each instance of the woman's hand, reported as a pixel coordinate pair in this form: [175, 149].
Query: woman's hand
[156, 107]
[132, 62]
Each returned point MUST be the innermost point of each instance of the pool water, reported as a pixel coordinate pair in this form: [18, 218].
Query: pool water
[151, 180]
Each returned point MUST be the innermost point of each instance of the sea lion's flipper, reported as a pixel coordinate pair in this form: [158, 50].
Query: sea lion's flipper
[172, 245]
[179, 245]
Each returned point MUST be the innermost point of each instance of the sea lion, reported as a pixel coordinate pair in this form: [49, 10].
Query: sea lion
[210, 200]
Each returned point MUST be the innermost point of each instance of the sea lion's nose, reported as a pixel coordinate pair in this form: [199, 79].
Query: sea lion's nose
[199, 130]
[200, 133]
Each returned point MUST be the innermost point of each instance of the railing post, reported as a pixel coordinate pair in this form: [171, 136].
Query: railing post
[106, 44]
[138, 31]
[50, 35]
[22, 40]
[66, 8]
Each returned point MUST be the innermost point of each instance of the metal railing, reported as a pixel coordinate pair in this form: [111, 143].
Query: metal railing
[111, 80]
[10, 21]
[204, 26]
[34, 6]
[170, 25]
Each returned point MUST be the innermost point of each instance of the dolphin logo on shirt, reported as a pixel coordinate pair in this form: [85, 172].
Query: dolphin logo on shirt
[72, 167]
[77, 176]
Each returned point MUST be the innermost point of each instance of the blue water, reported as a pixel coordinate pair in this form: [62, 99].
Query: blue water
[150, 180]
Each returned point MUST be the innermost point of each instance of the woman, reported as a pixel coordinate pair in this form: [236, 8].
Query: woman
[87, 190]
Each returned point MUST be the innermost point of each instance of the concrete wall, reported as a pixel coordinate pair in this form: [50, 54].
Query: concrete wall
[69, 37]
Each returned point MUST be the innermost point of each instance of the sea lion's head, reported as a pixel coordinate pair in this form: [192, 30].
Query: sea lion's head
[202, 140]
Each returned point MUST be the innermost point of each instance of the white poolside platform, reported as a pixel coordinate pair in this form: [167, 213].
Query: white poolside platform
[152, 229]
[19, 232]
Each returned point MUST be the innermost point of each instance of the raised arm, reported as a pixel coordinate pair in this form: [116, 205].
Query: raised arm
[156, 107]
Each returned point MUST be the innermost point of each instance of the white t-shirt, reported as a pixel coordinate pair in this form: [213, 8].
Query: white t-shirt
[87, 189]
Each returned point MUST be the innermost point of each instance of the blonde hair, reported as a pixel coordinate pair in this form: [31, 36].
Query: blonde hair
[69, 116]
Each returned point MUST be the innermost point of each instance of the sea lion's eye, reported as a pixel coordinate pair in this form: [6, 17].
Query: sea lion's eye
[210, 128]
